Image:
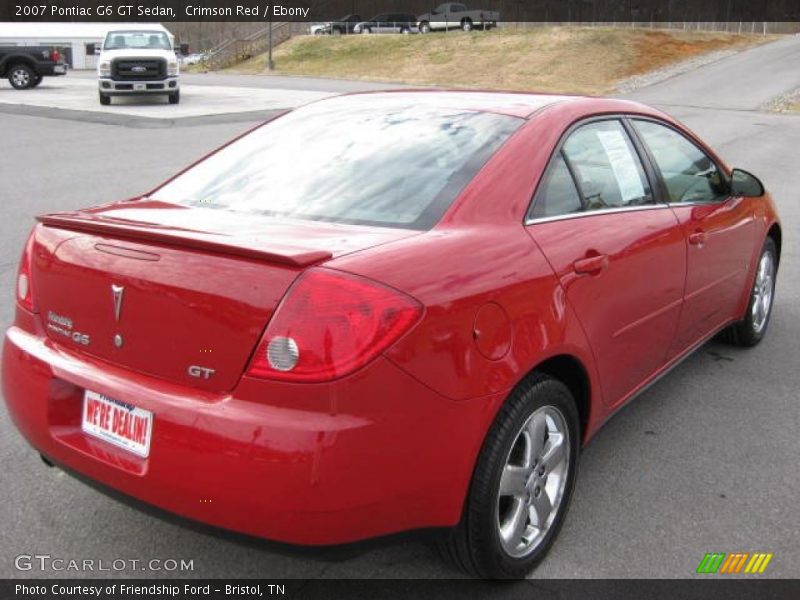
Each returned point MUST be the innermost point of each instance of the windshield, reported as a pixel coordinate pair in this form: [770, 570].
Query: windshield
[139, 40]
[351, 161]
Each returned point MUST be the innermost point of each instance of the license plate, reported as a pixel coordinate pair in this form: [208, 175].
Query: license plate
[59, 69]
[139, 86]
[118, 423]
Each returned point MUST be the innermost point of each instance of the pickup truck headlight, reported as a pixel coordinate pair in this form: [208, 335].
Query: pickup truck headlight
[104, 68]
[172, 67]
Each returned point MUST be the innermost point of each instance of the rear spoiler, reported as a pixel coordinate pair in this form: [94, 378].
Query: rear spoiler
[186, 238]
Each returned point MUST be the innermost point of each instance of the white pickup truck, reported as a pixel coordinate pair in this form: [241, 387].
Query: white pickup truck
[454, 14]
[138, 60]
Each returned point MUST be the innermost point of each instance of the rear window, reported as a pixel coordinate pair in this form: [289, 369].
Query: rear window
[350, 161]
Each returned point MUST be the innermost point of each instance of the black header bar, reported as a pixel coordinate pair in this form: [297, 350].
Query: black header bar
[576, 11]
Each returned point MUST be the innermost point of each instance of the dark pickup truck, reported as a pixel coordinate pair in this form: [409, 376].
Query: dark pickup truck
[26, 66]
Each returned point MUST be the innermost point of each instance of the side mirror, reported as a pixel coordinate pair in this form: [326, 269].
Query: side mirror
[745, 184]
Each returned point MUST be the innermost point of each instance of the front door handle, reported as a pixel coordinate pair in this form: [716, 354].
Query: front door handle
[698, 238]
[591, 265]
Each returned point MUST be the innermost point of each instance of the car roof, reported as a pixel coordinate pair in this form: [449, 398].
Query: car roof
[515, 104]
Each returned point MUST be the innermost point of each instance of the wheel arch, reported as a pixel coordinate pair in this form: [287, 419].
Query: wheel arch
[17, 59]
[776, 235]
[570, 371]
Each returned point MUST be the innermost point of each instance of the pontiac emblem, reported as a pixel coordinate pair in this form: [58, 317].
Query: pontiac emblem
[117, 291]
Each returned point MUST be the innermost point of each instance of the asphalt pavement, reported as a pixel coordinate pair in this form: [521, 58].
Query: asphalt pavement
[706, 460]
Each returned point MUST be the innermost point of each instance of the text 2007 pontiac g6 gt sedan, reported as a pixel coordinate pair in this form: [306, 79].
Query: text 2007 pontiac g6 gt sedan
[386, 312]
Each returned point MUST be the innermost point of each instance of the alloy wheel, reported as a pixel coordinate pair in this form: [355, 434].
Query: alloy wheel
[763, 291]
[21, 78]
[533, 481]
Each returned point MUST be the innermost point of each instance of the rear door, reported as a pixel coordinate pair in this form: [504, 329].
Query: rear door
[719, 230]
[618, 252]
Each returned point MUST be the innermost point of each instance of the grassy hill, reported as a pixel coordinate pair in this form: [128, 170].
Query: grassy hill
[585, 60]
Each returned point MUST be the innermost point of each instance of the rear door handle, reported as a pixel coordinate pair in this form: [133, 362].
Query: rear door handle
[698, 238]
[591, 265]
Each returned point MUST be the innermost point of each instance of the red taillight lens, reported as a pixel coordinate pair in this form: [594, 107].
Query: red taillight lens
[55, 55]
[24, 284]
[330, 324]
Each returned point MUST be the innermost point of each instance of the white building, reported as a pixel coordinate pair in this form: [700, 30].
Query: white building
[79, 42]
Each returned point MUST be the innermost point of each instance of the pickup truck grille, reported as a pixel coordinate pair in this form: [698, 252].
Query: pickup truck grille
[138, 69]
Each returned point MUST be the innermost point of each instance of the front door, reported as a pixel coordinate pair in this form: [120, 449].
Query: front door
[719, 231]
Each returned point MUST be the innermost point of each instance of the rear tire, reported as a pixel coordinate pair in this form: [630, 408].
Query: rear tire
[532, 449]
[21, 77]
[37, 81]
[175, 97]
[751, 330]
[105, 99]
[424, 27]
[466, 25]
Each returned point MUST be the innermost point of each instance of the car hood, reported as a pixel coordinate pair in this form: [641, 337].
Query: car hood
[136, 52]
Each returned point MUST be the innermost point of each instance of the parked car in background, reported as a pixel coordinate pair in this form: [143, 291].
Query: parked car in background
[452, 15]
[138, 61]
[26, 66]
[343, 26]
[422, 333]
[388, 23]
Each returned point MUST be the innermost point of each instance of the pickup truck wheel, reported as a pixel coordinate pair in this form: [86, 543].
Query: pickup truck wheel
[175, 97]
[105, 99]
[424, 27]
[37, 81]
[21, 77]
[466, 25]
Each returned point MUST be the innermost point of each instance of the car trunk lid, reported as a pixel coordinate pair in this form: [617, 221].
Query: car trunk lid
[175, 293]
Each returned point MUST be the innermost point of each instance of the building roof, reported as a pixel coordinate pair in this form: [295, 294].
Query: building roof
[65, 31]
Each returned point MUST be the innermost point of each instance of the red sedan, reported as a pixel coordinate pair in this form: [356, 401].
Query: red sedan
[386, 312]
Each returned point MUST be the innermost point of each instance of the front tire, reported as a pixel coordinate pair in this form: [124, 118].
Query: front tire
[466, 25]
[522, 484]
[424, 27]
[105, 99]
[175, 97]
[751, 330]
[21, 77]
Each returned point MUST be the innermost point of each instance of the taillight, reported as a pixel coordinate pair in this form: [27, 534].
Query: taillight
[330, 324]
[55, 56]
[24, 284]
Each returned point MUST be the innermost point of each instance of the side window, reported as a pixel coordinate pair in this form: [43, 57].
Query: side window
[557, 195]
[689, 173]
[607, 169]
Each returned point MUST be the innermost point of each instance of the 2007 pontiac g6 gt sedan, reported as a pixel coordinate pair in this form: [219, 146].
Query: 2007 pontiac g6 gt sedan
[386, 312]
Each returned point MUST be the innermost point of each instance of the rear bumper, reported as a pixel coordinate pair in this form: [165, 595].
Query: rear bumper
[113, 87]
[52, 69]
[370, 455]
